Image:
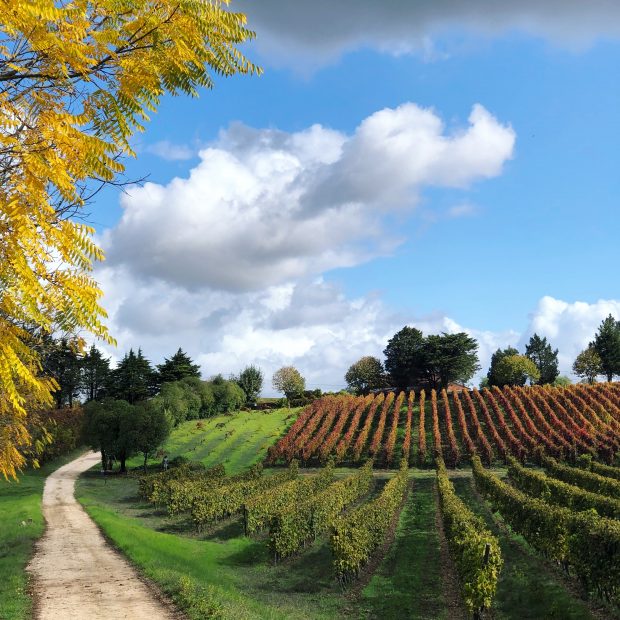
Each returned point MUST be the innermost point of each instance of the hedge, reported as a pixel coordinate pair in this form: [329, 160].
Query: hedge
[355, 536]
[561, 493]
[301, 522]
[582, 540]
[474, 549]
[585, 479]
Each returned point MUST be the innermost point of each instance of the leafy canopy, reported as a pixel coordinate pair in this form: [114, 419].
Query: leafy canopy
[516, 370]
[365, 375]
[250, 380]
[77, 80]
[289, 381]
[179, 366]
[434, 360]
[588, 365]
[493, 376]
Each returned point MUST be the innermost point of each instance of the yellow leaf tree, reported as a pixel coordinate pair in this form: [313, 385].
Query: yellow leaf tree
[77, 80]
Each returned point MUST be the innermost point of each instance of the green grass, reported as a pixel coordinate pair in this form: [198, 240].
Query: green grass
[528, 588]
[21, 525]
[237, 440]
[408, 581]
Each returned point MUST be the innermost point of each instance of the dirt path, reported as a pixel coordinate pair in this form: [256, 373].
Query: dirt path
[76, 574]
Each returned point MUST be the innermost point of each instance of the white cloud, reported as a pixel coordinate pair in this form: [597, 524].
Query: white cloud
[309, 34]
[265, 207]
[310, 324]
[169, 151]
[569, 326]
[464, 209]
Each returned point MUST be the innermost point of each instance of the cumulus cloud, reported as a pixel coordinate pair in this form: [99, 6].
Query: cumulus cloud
[266, 207]
[313, 33]
[170, 151]
[310, 324]
[569, 326]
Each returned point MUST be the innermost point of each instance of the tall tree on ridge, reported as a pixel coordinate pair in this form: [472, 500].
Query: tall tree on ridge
[545, 358]
[179, 366]
[404, 356]
[95, 374]
[492, 375]
[133, 379]
[607, 344]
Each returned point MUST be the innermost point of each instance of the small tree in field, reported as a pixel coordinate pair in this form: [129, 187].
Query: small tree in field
[150, 427]
[250, 380]
[588, 365]
[366, 374]
[289, 381]
[516, 370]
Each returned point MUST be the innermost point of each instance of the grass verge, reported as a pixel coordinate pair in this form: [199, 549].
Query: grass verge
[22, 524]
[408, 581]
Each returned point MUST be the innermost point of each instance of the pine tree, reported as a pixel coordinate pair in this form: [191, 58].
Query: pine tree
[545, 358]
[133, 379]
[61, 361]
[179, 366]
[95, 374]
[607, 345]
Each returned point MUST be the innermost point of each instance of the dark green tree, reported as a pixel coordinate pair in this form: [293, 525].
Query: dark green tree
[492, 375]
[365, 375]
[545, 358]
[607, 344]
[61, 360]
[250, 380]
[149, 427]
[133, 379]
[227, 394]
[107, 427]
[179, 366]
[404, 357]
[95, 374]
[447, 358]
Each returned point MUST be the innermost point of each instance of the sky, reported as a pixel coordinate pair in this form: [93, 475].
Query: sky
[449, 166]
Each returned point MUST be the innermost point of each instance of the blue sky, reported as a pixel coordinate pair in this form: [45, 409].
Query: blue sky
[513, 229]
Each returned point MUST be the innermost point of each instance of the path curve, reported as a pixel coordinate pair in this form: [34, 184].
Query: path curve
[76, 574]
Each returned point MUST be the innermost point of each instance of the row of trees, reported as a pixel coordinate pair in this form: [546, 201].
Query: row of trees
[602, 355]
[88, 376]
[412, 359]
[539, 365]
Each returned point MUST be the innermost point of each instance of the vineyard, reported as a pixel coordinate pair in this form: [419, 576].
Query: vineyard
[493, 424]
[351, 479]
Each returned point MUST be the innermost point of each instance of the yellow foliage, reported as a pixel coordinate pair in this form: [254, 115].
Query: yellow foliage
[77, 80]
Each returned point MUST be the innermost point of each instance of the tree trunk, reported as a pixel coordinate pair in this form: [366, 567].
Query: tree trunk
[610, 376]
[104, 461]
[145, 457]
[122, 460]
